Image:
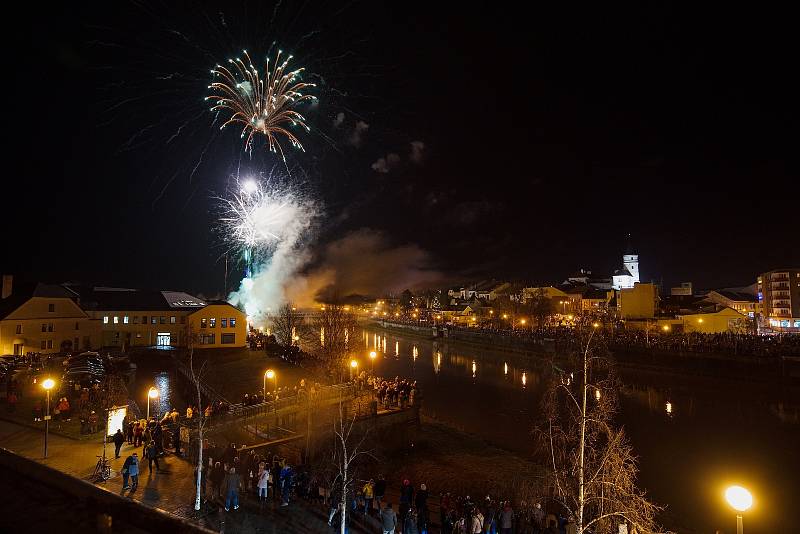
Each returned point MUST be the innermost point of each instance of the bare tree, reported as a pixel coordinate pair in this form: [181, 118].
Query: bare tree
[287, 323]
[347, 451]
[337, 326]
[540, 306]
[196, 377]
[592, 469]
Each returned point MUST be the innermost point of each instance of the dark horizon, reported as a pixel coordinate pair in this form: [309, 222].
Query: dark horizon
[547, 138]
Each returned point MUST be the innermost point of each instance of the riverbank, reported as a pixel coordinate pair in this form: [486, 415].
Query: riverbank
[716, 365]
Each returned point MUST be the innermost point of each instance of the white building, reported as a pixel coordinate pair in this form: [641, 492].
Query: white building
[629, 274]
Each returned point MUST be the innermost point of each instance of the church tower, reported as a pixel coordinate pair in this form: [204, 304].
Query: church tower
[631, 261]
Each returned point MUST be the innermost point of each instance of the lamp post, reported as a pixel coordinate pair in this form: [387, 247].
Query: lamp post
[269, 373]
[353, 367]
[47, 384]
[151, 394]
[740, 500]
[372, 356]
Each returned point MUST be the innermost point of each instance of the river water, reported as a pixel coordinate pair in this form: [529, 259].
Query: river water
[693, 435]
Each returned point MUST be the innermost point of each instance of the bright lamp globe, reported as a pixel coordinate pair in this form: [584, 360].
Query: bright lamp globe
[739, 498]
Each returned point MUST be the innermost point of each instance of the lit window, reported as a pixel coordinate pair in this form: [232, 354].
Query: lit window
[212, 323]
[51, 307]
[172, 320]
[116, 319]
[223, 323]
[203, 323]
[125, 319]
[232, 321]
[105, 319]
[153, 319]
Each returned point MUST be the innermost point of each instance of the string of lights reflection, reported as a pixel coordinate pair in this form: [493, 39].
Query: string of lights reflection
[520, 377]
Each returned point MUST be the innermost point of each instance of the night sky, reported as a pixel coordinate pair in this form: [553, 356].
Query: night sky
[548, 136]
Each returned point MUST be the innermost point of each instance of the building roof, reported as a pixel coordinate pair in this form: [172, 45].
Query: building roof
[737, 296]
[103, 298]
[622, 272]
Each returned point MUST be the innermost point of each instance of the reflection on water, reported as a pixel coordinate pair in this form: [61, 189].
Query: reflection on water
[688, 431]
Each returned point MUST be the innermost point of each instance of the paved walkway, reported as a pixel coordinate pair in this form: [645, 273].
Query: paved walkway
[171, 489]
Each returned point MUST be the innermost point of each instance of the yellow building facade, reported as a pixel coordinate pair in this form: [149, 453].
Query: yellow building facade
[46, 320]
[637, 302]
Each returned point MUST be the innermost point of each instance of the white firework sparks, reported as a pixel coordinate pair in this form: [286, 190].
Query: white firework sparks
[258, 216]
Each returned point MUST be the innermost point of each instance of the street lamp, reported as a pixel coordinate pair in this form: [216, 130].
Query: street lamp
[269, 373]
[372, 356]
[740, 500]
[152, 394]
[353, 367]
[47, 384]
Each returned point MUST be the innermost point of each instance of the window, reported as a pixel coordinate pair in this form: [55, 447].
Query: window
[77, 326]
[207, 339]
[203, 323]
[19, 329]
[44, 327]
[144, 319]
[228, 339]
[51, 308]
[44, 344]
[135, 319]
[153, 319]
[232, 321]
[49, 343]
[223, 323]
[105, 319]
[125, 319]
[162, 320]
[116, 319]
[50, 327]
[212, 323]
[172, 320]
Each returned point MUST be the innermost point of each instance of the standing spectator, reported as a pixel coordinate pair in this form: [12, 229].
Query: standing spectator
[93, 422]
[506, 519]
[151, 453]
[410, 523]
[406, 498]
[262, 483]
[217, 477]
[368, 492]
[388, 519]
[379, 491]
[232, 484]
[130, 469]
[119, 439]
[129, 433]
[176, 439]
[138, 431]
[477, 522]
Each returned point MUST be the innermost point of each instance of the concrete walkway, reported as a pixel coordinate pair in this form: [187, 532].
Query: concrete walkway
[171, 489]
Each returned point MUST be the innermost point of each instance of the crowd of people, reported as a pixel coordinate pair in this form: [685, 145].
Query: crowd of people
[391, 392]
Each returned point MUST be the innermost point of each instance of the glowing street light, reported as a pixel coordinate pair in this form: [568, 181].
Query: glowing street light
[372, 356]
[151, 394]
[269, 373]
[740, 500]
[47, 384]
[353, 367]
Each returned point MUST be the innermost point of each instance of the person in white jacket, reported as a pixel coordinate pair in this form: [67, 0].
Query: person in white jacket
[477, 522]
[262, 482]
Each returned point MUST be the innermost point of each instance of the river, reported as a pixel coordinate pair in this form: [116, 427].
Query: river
[693, 435]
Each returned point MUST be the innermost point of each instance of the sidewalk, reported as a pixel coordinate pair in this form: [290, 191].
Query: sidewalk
[171, 490]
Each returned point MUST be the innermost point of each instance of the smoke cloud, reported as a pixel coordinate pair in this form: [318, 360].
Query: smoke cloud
[357, 137]
[417, 148]
[384, 165]
[363, 262]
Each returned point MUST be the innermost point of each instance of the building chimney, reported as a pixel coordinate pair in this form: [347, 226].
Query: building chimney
[8, 281]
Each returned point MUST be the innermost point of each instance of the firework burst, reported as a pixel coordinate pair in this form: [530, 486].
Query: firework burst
[261, 105]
